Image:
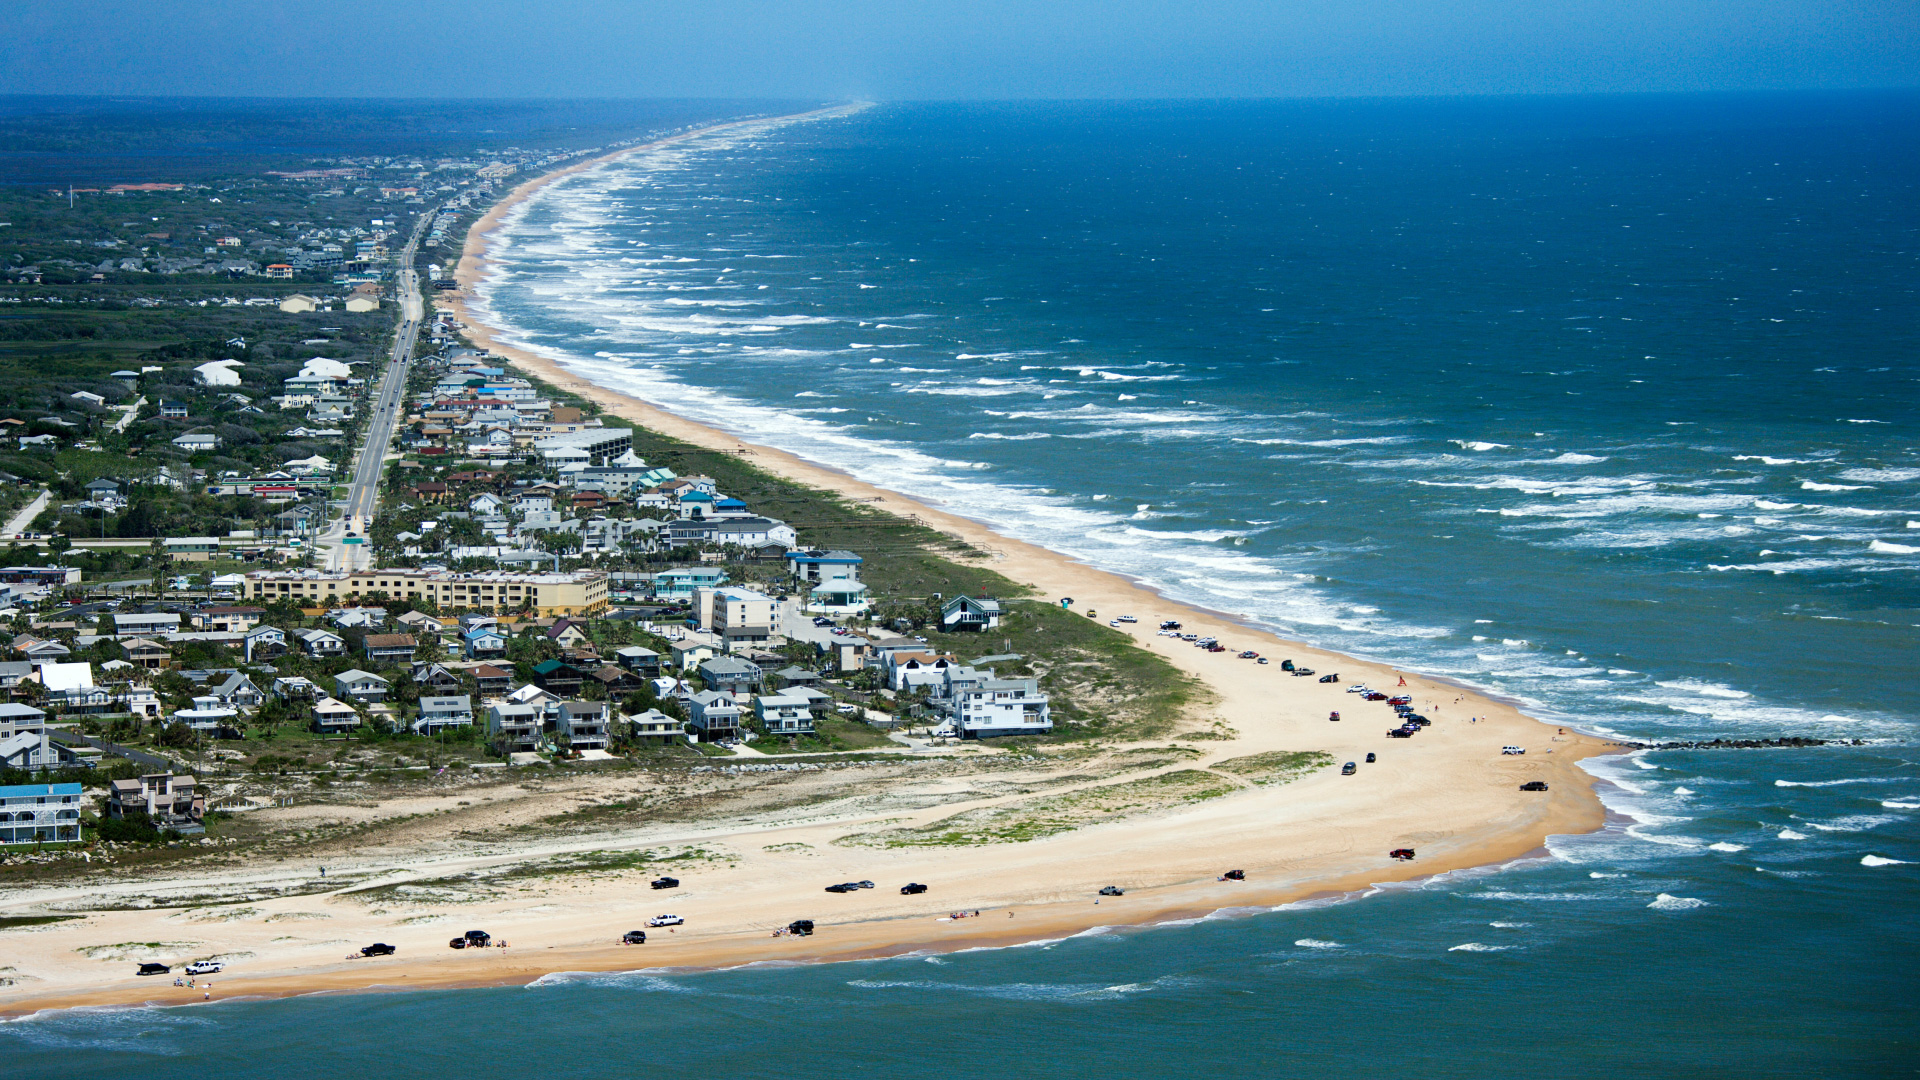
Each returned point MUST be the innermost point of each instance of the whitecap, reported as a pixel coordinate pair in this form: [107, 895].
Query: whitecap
[1883, 476]
[1809, 485]
[1509, 925]
[1765, 460]
[1669, 902]
[1855, 822]
[1598, 874]
[1468, 445]
[1683, 791]
[1724, 846]
[1474, 946]
[1832, 783]
[1897, 804]
[1881, 860]
[1576, 459]
[1789, 834]
[1881, 547]
[1314, 943]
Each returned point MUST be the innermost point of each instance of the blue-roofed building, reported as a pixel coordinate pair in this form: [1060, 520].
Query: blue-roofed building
[820, 567]
[40, 813]
[680, 584]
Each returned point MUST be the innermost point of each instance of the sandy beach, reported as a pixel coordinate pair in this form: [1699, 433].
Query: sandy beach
[1449, 793]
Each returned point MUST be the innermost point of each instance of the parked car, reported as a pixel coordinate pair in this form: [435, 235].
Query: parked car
[1335, 677]
[1302, 672]
[378, 948]
[1333, 716]
[154, 969]
[1286, 665]
[205, 967]
[1513, 750]
[801, 927]
[1349, 769]
[666, 883]
[1235, 875]
[912, 888]
[843, 887]
[1531, 785]
[634, 937]
[478, 939]
[1369, 758]
[1404, 854]
[1113, 890]
[457, 943]
[863, 884]
[666, 920]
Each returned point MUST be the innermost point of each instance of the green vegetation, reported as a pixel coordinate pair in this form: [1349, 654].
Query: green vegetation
[1276, 767]
[1050, 815]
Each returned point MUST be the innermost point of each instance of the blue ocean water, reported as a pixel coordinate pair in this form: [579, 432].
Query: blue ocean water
[1606, 404]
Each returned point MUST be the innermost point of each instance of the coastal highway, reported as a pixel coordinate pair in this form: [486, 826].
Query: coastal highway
[385, 409]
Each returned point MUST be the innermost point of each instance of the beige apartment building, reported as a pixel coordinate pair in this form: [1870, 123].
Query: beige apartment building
[581, 592]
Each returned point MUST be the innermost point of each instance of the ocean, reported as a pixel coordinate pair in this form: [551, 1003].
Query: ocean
[1604, 404]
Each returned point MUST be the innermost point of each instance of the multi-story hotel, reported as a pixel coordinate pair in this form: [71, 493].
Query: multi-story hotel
[580, 592]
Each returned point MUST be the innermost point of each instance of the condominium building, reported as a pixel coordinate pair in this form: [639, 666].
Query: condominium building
[580, 592]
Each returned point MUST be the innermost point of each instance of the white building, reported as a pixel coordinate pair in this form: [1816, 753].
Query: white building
[1002, 707]
[782, 714]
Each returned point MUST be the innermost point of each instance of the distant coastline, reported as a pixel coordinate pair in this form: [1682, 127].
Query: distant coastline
[1450, 793]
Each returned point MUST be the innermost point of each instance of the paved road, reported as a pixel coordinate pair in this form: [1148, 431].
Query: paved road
[385, 410]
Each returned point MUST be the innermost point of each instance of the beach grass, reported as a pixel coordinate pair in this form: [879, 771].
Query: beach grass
[1051, 815]
[1276, 767]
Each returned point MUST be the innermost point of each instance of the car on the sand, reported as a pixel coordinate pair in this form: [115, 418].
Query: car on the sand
[477, 939]
[1349, 769]
[634, 937]
[378, 948]
[800, 927]
[665, 883]
[1534, 785]
[666, 920]
[1404, 854]
[912, 888]
[1335, 677]
[205, 967]
[153, 969]
[1113, 890]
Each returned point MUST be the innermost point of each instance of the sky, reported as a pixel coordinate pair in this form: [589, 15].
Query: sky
[949, 49]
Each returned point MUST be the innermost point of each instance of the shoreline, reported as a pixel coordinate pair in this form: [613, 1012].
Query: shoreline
[1451, 795]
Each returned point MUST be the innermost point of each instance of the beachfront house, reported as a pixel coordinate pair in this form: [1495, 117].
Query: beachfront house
[40, 813]
[653, 724]
[439, 713]
[331, 716]
[168, 801]
[584, 723]
[1002, 707]
[964, 613]
[714, 717]
[782, 714]
[516, 727]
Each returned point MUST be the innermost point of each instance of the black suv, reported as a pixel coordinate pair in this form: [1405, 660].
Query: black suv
[378, 948]
[800, 927]
[477, 939]
[634, 937]
[153, 969]
[912, 889]
[1534, 785]
[666, 883]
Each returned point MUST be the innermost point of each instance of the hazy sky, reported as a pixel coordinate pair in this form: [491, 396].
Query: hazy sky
[948, 48]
